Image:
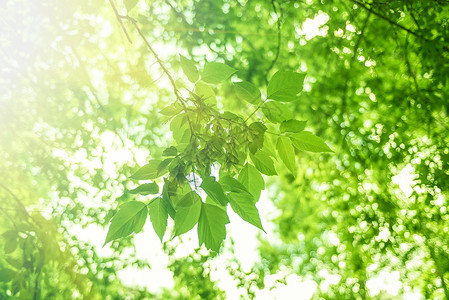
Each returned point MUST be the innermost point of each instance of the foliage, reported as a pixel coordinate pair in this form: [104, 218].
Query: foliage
[207, 139]
[81, 108]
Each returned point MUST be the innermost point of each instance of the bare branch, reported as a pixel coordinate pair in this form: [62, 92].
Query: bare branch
[120, 20]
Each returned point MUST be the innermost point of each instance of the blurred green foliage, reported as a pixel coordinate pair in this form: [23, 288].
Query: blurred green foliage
[75, 94]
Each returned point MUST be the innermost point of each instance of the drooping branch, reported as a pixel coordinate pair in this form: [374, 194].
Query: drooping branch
[19, 203]
[278, 47]
[159, 61]
[120, 21]
[156, 56]
[388, 20]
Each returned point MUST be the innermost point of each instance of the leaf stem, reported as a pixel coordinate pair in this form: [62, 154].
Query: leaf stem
[257, 108]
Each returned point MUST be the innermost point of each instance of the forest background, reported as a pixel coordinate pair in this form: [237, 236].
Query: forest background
[85, 87]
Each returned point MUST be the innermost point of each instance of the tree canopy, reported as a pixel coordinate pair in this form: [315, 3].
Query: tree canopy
[175, 117]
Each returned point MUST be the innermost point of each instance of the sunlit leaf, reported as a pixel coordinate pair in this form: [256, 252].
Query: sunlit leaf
[205, 92]
[230, 184]
[284, 86]
[189, 69]
[180, 128]
[130, 217]
[187, 213]
[146, 189]
[216, 72]
[247, 91]
[130, 4]
[276, 112]
[263, 163]
[158, 211]
[211, 226]
[307, 141]
[170, 151]
[286, 153]
[168, 192]
[214, 190]
[292, 126]
[251, 178]
[210, 200]
[243, 205]
[171, 110]
[149, 171]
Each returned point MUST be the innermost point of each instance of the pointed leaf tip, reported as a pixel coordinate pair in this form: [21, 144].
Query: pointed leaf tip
[216, 72]
[130, 217]
[284, 86]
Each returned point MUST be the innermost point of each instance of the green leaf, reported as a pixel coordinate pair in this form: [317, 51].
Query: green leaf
[163, 166]
[189, 69]
[178, 122]
[158, 211]
[131, 217]
[6, 274]
[263, 162]
[171, 110]
[187, 213]
[148, 172]
[168, 191]
[130, 4]
[216, 72]
[229, 115]
[214, 190]
[146, 189]
[243, 205]
[181, 129]
[170, 151]
[292, 126]
[211, 201]
[230, 184]
[276, 112]
[258, 127]
[247, 91]
[285, 85]
[307, 141]
[251, 178]
[286, 153]
[212, 226]
[256, 137]
[205, 92]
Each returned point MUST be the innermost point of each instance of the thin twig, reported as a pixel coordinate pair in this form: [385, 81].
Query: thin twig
[388, 20]
[278, 47]
[257, 108]
[159, 61]
[120, 21]
[19, 203]
[164, 69]
[4, 210]
[354, 55]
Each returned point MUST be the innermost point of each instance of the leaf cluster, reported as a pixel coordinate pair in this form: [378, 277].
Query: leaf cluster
[207, 141]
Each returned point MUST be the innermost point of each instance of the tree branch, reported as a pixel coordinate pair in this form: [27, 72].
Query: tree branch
[120, 20]
[354, 56]
[278, 47]
[388, 20]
